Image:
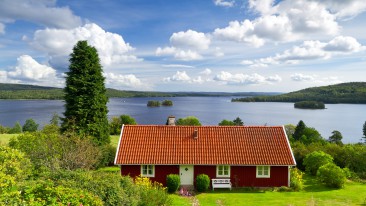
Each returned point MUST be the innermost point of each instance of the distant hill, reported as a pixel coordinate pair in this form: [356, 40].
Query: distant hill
[23, 91]
[352, 93]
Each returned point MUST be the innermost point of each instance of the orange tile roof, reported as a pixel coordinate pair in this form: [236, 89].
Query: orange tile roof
[231, 145]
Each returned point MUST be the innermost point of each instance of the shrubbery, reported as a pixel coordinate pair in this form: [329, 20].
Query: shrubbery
[173, 182]
[151, 193]
[202, 182]
[315, 160]
[296, 181]
[331, 175]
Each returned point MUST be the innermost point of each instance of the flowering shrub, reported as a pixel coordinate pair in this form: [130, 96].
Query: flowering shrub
[151, 193]
[296, 181]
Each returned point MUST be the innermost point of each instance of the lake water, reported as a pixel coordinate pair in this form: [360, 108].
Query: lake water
[346, 118]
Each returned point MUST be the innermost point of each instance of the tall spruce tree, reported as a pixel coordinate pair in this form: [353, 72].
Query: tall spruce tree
[85, 95]
[299, 130]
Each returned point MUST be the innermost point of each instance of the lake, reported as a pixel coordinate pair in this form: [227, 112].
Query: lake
[346, 118]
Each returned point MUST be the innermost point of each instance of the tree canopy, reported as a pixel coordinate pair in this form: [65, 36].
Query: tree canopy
[85, 95]
[190, 120]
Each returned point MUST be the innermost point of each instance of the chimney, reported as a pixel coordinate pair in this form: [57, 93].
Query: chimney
[171, 121]
[195, 134]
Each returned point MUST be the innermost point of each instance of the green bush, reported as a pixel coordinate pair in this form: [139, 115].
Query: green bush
[111, 188]
[30, 126]
[315, 160]
[44, 192]
[331, 175]
[202, 182]
[17, 129]
[151, 193]
[172, 182]
[108, 153]
[296, 181]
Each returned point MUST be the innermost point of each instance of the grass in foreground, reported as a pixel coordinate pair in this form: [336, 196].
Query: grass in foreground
[353, 193]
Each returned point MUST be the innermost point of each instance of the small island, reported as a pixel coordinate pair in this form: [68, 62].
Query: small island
[167, 103]
[152, 103]
[309, 105]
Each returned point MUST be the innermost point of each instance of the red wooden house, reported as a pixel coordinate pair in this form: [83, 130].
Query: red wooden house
[251, 156]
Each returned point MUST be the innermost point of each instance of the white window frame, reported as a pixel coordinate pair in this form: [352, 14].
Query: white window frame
[147, 168]
[223, 170]
[260, 171]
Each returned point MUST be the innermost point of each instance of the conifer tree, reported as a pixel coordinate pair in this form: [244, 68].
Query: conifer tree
[299, 130]
[85, 95]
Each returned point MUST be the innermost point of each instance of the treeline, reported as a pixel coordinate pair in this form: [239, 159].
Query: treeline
[352, 93]
[23, 91]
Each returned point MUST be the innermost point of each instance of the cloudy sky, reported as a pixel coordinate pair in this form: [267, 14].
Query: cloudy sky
[190, 45]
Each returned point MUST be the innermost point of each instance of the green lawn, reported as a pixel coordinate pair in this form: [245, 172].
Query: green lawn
[352, 194]
[114, 140]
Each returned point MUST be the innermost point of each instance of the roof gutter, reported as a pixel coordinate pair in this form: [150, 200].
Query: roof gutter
[119, 143]
[289, 146]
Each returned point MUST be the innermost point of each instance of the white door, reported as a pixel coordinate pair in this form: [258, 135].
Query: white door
[186, 174]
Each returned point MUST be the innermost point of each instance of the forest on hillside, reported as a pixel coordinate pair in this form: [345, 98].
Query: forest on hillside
[352, 93]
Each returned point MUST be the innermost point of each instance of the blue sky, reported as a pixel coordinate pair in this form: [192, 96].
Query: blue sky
[191, 45]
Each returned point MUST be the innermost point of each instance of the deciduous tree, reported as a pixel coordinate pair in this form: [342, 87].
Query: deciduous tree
[190, 120]
[336, 137]
[85, 95]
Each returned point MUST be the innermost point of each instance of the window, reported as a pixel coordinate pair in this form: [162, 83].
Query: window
[223, 170]
[147, 170]
[263, 171]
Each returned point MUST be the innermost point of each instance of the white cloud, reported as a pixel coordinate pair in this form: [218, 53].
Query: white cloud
[243, 79]
[190, 40]
[310, 50]
[118, 80]
[178, 65]
[165, 51]
[38, 11]
[111, 47]
[178, 77]
[187, 55]
[207, 71]
[261, 6]
[224, 3]
[28, 70]
[186, 46]
[283, 22]
[239, 32]
[344, 9]
[344, 44]
[301, 77]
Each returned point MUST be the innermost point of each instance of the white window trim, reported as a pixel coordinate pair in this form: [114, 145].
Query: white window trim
[217, 171]
[147, 175]
[263, 176]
